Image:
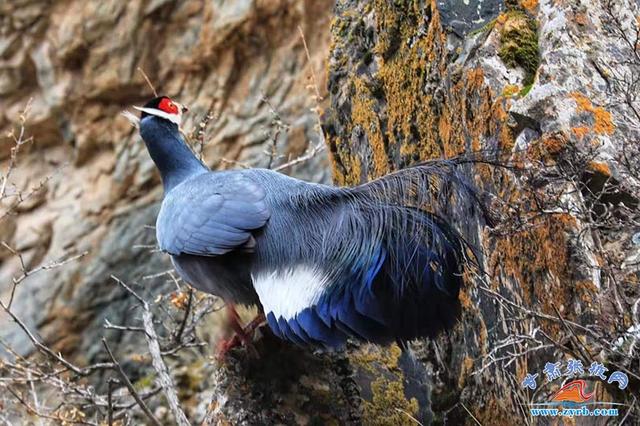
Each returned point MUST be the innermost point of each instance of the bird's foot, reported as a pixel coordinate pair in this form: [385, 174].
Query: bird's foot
[243, 336]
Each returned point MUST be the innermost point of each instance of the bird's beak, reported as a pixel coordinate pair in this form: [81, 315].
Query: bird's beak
[183, 108]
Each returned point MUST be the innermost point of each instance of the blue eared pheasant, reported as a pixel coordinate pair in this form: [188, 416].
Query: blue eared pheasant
[323, 263]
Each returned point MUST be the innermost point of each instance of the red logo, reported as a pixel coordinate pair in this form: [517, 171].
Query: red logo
[574, 391]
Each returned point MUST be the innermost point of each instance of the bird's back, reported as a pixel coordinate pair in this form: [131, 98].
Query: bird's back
[333, 262]
[327, 263]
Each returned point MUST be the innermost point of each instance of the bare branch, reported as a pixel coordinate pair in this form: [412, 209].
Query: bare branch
[129, 385]
[146, 78]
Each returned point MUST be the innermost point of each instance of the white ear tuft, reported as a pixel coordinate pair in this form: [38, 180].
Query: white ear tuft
[174, 118]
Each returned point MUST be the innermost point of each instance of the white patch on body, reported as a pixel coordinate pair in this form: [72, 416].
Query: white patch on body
[288, 292]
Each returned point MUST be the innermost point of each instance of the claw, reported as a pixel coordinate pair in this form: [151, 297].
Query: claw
[242, 335]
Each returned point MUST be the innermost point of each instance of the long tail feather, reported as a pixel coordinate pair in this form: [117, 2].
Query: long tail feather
[435, 185]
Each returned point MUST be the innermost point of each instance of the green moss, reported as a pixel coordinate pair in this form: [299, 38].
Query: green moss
[525, 90]
[389, 406]
[488, 27]
[369, 359]
[519, 43]
[144, 382]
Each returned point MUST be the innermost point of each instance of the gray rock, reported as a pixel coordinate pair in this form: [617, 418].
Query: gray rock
[464, 16]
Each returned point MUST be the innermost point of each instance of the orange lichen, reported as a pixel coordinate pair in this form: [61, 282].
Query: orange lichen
[603, 121]
[545, 150]
[581, 19]
[600, 168]
[500, 116]
[465, 299]
[364, 115]
[493, 412]
[537, 259]
[580, 131]
[412, 121]
[554, 144]
[584, 104]
[529, 5]
[522, 257]
[586, 290]
[510, 90]
[465, 371]
[402, 76]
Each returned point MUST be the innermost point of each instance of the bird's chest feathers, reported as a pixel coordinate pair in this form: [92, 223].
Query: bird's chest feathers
[288, 291]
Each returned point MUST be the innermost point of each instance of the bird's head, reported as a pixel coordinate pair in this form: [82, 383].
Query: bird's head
[165, 108]
[159, 126]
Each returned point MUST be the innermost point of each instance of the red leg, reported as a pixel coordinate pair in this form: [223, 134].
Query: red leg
[255, 323]
[242, 335]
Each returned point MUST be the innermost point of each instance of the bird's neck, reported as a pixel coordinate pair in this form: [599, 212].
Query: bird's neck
[173, 158]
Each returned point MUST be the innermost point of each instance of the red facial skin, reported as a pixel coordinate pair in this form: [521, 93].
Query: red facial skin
[168, 106]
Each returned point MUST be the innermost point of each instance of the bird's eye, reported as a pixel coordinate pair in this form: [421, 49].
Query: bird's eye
[167, 105]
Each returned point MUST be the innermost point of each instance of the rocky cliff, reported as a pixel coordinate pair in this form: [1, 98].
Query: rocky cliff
[89, 185]
[544, 90]
[76, 65]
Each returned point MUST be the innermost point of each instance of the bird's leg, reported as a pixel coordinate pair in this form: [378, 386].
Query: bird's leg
[255, 323]
[234, 318]
[242, 335]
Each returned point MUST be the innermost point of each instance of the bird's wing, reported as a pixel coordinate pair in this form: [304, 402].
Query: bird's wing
[211, 215]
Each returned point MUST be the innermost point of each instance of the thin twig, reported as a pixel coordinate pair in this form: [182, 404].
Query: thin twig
[129, 385]
[471, 414]
[183, 323]
[631, 408]
[146, 78]
[40, 414]
[313, 73]
[110, 384]
[319, 147]
[164, 378]
[413, 419]
[48, 352]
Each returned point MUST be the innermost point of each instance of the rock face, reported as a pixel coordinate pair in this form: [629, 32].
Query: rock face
[538, 86]
[75, 63]
[544, 87]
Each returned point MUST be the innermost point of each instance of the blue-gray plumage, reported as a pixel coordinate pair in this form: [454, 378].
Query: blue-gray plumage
[323, 262]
